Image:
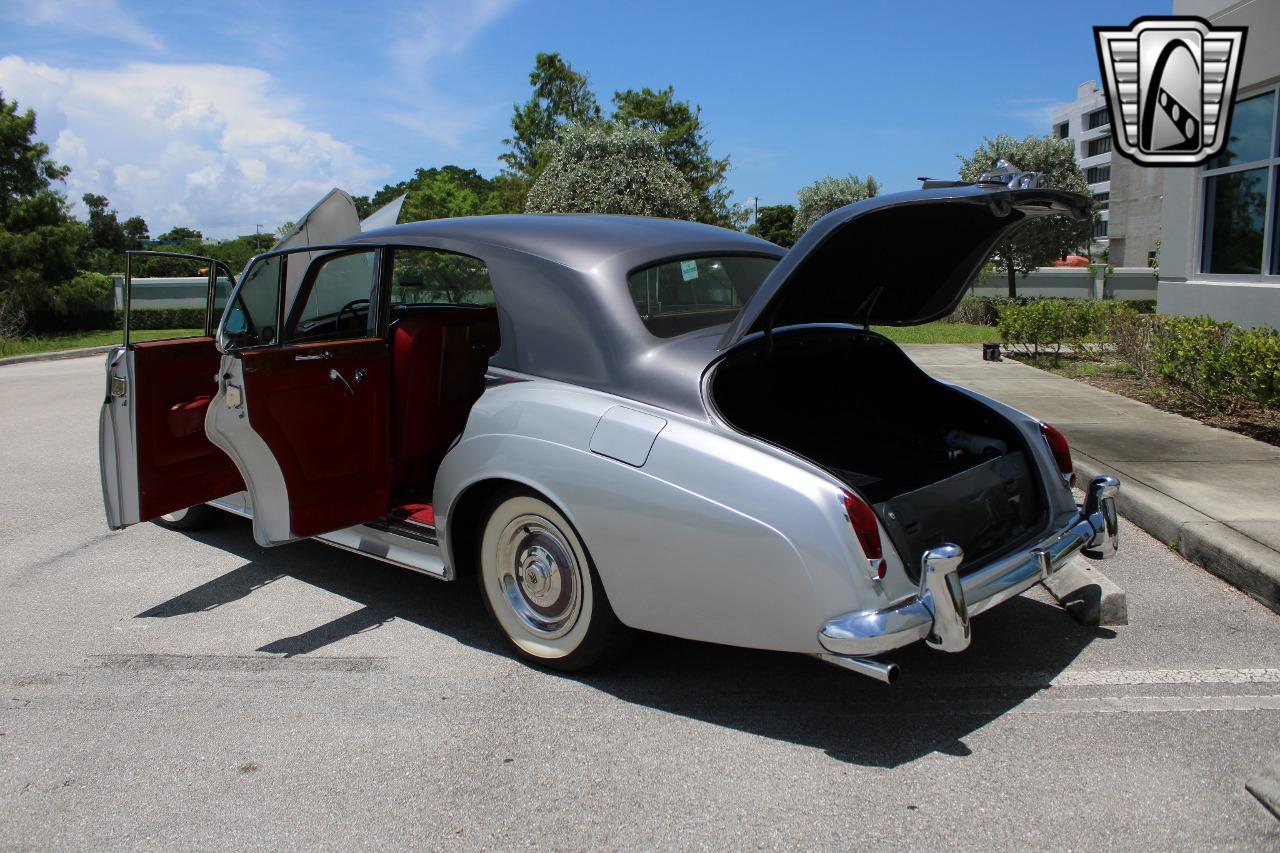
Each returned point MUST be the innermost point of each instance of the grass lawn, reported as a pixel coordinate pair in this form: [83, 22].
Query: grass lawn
[940, 333]
[76, 340]
[929, 333]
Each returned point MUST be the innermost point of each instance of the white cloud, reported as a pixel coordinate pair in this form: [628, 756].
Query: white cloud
[442, 28]
[439, 30]
[212, 147]
[99, 18]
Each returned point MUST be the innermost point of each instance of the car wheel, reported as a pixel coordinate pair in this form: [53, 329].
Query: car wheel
[539, 585]
[191, 518]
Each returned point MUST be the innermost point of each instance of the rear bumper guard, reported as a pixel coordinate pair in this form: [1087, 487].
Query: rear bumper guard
[940, 612]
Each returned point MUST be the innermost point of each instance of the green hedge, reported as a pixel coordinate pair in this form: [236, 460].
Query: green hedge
[162, 318]
[985, 310]
[982, 310]
[1045, 326]
[1215, 365]
[1210, 366]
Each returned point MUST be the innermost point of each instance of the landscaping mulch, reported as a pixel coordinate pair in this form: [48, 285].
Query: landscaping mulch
[1253, 421]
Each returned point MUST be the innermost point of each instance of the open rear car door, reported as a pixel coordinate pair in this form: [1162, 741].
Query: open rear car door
[155, 458]
[302, 398]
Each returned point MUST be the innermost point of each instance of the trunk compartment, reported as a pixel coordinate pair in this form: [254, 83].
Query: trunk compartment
[936, 465]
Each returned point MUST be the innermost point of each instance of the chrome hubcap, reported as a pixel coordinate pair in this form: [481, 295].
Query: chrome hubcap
[539, 576]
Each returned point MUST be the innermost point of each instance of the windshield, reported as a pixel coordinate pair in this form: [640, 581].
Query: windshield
[682, 295]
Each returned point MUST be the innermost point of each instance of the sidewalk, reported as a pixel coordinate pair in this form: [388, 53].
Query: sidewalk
[1211, 494]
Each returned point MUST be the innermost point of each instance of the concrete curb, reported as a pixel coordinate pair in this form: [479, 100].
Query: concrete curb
[1245, 563]
[57, 355]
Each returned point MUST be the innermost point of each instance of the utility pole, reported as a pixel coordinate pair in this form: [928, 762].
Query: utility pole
[257, 232]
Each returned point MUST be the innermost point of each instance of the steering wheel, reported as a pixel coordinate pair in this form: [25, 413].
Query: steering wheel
[350, 306]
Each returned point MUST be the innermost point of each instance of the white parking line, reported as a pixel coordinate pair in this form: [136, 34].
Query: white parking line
[1146, 704]
[1072, 678]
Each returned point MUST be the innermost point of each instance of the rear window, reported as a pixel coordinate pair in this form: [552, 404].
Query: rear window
[682, 295]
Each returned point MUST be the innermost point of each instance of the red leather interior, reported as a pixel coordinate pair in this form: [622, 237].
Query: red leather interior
[423, 514]
[440, 358]
[178, 467]
[188, 418]
[330, 441]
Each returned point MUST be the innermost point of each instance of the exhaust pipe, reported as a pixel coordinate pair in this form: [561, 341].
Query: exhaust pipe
[880, 671]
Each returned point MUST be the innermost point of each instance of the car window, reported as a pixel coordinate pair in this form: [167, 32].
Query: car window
[339, 302]
[433, 277]
[252, 319]
[679, 296]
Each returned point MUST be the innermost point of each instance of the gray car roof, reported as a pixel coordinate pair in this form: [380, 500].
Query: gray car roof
[563, 304]
[577, 241]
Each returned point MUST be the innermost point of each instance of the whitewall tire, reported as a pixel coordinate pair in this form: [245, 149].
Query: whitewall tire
[539, 585]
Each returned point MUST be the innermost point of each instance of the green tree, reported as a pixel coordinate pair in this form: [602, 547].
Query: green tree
[560, 96]
[136, 231]
[108, 237]
[611, 168]
[446, 191]
[679, 126]
[1046, 238]
[828, 194]
[181, 234]
[774, 223]
[38, 236]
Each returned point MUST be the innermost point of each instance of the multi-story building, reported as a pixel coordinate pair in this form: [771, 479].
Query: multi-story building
[1220, 252]
[1087, 122]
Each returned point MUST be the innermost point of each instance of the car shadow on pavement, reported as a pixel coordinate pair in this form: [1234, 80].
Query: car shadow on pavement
[940, 699]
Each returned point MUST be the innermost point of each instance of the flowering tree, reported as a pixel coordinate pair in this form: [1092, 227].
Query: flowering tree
[821, 197]
[610, 168]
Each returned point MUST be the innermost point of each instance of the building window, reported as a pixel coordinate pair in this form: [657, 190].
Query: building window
[1101, 145]
[1061, 130]
[1240, 197]
[1097, 174]
[1097, 119]
[1100, 228]
[1102, 200]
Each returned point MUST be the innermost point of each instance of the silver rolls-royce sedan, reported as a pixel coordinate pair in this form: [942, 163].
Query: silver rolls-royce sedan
[621, 424]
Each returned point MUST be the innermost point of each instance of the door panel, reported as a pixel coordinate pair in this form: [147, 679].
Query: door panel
[321, 409]
[156, 392]
[153, 453]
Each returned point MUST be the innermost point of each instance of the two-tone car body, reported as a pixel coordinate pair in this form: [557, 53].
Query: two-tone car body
[623, 423]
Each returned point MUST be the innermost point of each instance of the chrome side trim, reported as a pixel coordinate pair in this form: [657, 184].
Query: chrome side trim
[941, 610]
[390, 547]
[237, 504]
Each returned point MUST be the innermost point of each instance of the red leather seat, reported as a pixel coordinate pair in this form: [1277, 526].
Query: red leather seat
[439, 358]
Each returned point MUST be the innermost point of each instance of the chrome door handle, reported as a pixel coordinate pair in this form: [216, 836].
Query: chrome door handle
[338, 377]
[324, 356]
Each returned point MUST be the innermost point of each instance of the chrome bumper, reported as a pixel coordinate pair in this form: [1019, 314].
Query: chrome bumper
[939, 613]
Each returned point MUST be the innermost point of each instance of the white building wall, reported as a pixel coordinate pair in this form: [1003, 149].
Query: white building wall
[1089, 99]
[1184, 289]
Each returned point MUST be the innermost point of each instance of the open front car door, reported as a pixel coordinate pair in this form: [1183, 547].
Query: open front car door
[302, 397]
[154, 455]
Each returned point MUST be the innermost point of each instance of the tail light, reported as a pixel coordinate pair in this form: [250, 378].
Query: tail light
[1061, 452]
[863, 520]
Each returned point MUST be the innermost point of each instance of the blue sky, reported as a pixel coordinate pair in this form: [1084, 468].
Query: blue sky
[224, 116]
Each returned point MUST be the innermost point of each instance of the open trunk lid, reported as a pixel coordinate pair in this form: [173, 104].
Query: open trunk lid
[894, 260]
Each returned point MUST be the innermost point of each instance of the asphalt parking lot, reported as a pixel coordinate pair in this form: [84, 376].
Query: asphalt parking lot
[165, 690]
